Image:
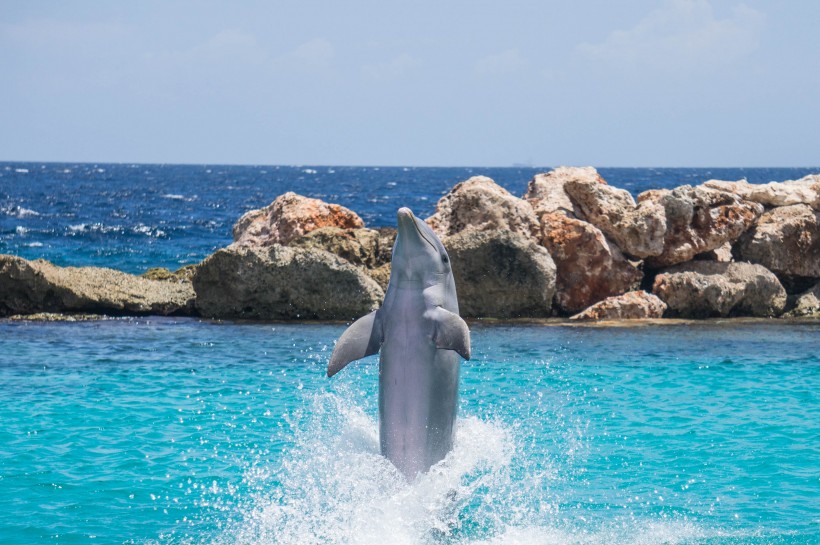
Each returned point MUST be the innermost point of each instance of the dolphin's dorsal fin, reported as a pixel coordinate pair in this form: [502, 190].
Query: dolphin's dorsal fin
[451, 332]
[362, 338]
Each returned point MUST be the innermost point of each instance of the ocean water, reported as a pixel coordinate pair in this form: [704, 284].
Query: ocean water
[166, 431]
[133, 217]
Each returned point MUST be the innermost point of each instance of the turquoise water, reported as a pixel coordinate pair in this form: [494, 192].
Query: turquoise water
[180, 431]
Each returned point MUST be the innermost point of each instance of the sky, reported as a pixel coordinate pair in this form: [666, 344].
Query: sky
[425, 83]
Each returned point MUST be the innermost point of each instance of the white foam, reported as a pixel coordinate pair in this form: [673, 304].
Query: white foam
[21, 170]
[173, 196]
[337, 488]
[19, 212]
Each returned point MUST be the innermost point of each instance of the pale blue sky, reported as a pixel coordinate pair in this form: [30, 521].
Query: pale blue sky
[627, 83]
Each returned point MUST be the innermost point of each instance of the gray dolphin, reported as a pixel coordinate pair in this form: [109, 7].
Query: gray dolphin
[420, 336]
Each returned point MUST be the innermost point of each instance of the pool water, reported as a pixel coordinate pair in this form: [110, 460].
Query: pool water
[186, 431]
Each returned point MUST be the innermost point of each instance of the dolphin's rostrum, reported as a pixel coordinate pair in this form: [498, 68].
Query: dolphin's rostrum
[420, 336]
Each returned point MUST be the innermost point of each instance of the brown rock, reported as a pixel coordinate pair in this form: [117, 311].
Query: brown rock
[701, 289]
[501, 274]
[479, 204]
[638, 229]
[546, 192]
[278, 282]
[698, 219]
[28, 287]
[183, 274]
[370, 248]
[786, 240]
[722, 254]
[806, 190]
[589, 268]
[635, 305]
[291, 216]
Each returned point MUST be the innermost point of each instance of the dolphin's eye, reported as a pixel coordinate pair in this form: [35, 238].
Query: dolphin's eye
[444, 258]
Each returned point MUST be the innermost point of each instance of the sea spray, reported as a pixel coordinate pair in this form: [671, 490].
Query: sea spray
[334, 486]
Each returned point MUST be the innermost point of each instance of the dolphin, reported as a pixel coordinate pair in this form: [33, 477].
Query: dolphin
[420, 337]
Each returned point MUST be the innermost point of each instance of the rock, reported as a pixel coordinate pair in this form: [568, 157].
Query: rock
[698, 219]
[701, 289]
[663, 227]
[806, 304]
[278, 282]
[370, 248]
[635, 305]
[479, 204]
[501, 274]
[290, 216]
[785, 240]
[806, 190]
[589, 268]
[722, 254]
[638, 229]
[58, 317]
[29, 287]
[546, 193]
[183, 274]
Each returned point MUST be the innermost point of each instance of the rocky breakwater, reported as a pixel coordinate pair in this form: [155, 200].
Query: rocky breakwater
[571, 246]
[29, 287]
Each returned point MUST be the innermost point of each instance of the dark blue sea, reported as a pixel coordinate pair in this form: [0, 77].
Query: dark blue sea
[133, 217]
[168, 431]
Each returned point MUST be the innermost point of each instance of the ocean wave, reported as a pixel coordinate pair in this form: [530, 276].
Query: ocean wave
[138, 229]
[19, 212]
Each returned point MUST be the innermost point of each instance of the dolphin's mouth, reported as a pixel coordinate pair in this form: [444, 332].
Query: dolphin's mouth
[406, 212]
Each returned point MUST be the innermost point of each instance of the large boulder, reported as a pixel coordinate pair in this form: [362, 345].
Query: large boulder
[546, 191]
[479, 204]
[638, 229]
[785, 240]
[806, 190]
[28, 287]
[635, 305]
[698, 219]
[501, 274]
[701, 289]
[589, 268]
[290, 216]
[278, 282]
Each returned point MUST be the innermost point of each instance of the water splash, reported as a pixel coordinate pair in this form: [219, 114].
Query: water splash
[334, 487]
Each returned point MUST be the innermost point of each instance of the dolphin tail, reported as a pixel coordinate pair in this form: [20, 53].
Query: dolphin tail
[362, 338]
[451, 332]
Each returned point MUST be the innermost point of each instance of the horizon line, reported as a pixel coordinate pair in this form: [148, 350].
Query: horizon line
[323, 165]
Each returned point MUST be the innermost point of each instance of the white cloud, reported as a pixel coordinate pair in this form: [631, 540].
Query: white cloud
[396, 67]
[316, 54]
[681, 35]
[501, 64]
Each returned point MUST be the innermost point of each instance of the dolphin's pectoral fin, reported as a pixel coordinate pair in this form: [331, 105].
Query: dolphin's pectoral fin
[451, 332]
[362, 338]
